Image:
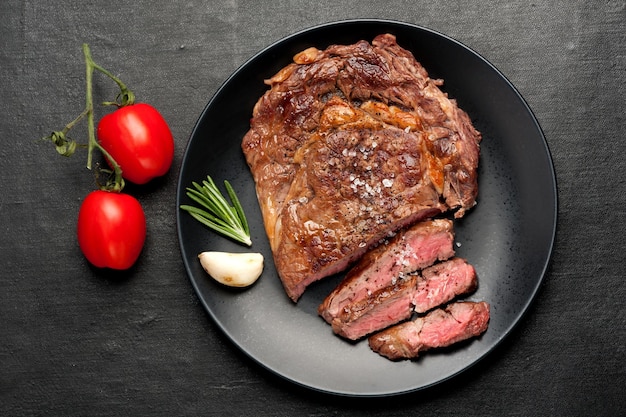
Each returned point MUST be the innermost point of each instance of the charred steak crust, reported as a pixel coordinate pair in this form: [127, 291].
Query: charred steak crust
[350, 144]
[440, 328]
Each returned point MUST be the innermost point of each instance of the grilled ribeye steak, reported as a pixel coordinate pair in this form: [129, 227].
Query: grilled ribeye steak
[349, 144]
[410, 250]
[419, 293]
[439, 328]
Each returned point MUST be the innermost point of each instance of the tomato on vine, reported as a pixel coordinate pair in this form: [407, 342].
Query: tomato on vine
[139, 139]
[137, 144]
[111, 229]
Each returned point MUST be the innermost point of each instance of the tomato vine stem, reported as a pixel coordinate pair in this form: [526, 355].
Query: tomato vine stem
[125, 97]
[90, 65]
[66, 146]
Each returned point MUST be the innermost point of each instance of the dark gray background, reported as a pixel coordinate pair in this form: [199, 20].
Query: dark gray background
[78, 341]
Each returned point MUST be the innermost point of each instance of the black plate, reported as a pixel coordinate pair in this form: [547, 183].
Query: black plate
[508, 236]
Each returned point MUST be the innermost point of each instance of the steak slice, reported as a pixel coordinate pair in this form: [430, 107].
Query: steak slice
[443, 282]
[410, 250]
[348, 145]
[418, 293]
[382, 309]
[439, 328]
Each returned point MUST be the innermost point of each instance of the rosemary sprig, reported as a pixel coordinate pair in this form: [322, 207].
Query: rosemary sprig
[216, 213]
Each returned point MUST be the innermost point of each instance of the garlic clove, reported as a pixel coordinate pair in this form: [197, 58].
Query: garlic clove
[232, 269]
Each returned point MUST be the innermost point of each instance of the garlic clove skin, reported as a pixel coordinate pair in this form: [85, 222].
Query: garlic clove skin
[232, 269]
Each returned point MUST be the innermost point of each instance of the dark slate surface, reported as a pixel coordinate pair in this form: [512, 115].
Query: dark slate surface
[79, 341]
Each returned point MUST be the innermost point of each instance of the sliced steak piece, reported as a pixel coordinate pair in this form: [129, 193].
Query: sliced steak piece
[439, 328]
[382, 309]
[435, 286]
[410, 250]
[349, 144]
[443, 282]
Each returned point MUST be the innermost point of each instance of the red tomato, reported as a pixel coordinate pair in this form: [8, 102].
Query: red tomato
[139, 140]
[111, 229]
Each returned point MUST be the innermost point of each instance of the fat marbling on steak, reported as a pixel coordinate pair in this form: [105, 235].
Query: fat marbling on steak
[349, 144]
